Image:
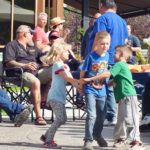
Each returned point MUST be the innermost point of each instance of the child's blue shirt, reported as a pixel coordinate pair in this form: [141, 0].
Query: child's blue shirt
[95, 64]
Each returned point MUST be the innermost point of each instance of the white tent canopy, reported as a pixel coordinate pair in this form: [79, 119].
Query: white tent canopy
[20, 14]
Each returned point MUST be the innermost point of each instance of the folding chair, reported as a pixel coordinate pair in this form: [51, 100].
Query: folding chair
[12, 83]
[71, 98]
[45, 107]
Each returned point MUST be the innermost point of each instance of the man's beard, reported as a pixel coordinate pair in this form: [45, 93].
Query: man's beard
[30, 43]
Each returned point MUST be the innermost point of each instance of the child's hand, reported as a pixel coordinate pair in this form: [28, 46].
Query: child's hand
[77, 85]
[84, 80]
[87, 80]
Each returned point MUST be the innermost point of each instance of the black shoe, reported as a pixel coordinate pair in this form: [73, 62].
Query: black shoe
[101, 142]
[43, 138]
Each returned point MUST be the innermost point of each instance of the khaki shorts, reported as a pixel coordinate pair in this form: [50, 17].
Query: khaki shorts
[44, 75]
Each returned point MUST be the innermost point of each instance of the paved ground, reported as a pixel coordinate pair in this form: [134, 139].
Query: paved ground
[69, 136]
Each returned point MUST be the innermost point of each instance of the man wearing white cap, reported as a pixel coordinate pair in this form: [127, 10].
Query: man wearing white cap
[21, 53]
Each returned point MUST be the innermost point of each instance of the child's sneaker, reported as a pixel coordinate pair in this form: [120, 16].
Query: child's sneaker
[88, 145]
[51, 144]
[23, 116]
[110, 123]
[101, 142]
[119, 143]
[136, 145]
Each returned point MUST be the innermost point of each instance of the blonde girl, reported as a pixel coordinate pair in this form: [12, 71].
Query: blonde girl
[57, 93]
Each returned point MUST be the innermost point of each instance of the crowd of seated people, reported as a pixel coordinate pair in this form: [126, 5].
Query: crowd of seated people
[25, 52]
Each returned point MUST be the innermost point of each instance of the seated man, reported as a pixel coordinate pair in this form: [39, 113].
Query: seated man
[21, 52]
[16, 112]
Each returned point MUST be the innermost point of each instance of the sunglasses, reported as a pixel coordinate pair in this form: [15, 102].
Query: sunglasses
[30, 33]
[53, 38]
[54, 27]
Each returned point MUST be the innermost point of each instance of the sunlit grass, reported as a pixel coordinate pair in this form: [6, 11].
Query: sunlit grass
[3, 113]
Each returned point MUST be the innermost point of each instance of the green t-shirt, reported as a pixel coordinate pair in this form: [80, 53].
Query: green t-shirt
[123, 82]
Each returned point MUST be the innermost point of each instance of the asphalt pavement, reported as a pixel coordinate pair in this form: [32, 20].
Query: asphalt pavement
[69, 136]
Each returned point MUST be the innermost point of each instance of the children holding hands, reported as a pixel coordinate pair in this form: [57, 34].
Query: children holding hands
[93, 79]
[127, 127]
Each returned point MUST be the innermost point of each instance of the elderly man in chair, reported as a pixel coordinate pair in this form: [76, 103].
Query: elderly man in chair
[21, 52]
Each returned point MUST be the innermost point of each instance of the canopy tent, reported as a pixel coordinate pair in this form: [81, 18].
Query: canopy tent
[126, 8]
[20, 14]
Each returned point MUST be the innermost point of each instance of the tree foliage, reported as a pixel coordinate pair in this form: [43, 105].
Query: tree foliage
[140, 26]
[73, 22]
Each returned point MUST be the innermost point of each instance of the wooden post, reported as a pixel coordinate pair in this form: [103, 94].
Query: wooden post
[39, 7]
[57, 8]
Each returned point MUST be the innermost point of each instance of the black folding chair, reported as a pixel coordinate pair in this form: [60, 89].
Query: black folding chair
[12, 83]
[71, 98]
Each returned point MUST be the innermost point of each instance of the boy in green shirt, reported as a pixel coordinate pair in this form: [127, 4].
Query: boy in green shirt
[125, 94]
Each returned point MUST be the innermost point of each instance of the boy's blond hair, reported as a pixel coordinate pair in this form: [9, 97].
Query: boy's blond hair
[99, 36]
[53, 55]
[126, 51]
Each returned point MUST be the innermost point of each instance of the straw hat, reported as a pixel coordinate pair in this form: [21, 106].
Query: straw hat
[56, 21]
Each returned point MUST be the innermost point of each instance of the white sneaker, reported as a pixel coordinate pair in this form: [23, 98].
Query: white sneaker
[87, 145]
[110, 123]
[145, 121]
[145, 124]
[119, 143]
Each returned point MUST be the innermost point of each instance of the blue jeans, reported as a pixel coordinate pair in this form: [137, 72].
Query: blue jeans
[11, 108]
[96, 113]
[111, 102]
